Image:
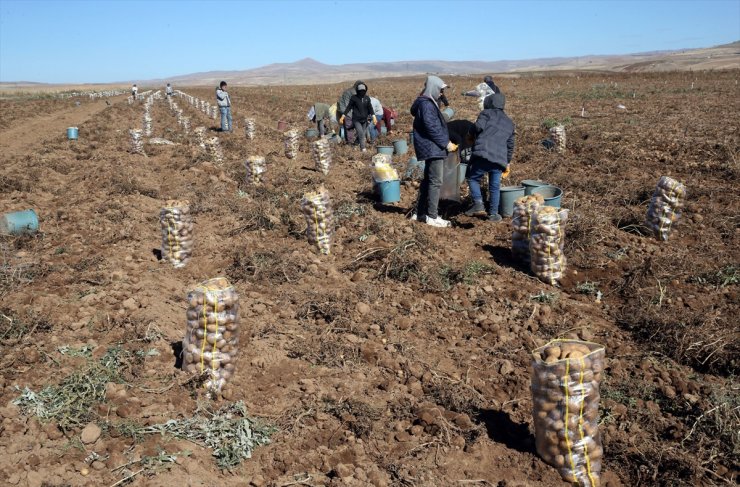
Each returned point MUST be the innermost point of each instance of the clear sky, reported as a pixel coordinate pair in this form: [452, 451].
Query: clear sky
[64, 41]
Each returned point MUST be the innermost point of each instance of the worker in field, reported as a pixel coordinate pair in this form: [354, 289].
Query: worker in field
[223, 100]
[432, 144]
[342, 103]
[168, 90]
[374, 129]
[320, 113]
[487, 88]
[492, 152]
[361, 110]
[134, 91]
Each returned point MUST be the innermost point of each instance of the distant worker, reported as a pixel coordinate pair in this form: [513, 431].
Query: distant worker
[224, 106]
[378, 112]
[321, 114]
[431, 144]
[134, 91]
[488, 87]
[168, 91]
[342, 103]
[361, 109]
[492, 152]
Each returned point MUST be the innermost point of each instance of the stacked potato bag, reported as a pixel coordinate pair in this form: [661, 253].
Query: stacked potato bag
[521, 223]
[321, 152]
[255, 167]
[665, 207]
[546, 240]
[316, 208]
[249, 128]
[557, 136]
[137, 141]
[200, 136]
[290, 138]
[213, 147]
[565, 406]
[177, 232]
[212, 337]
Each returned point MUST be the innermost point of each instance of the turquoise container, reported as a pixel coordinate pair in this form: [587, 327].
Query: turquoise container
[530, 184]
[385, 149]
[72, 133]
[383, 130]
[411, 137]
[312, 133]
[508, 195]
[448, 113]
[19, 223]
[552, 195]
[400, 147]
[389, 191]
[462, 172]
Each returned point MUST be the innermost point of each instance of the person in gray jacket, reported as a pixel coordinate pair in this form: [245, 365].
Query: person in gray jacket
[224, 106]
[492, 152]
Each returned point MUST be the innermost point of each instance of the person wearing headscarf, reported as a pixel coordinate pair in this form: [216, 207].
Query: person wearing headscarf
[361, 109]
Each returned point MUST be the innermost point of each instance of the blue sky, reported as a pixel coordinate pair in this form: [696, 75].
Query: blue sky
[115, 40]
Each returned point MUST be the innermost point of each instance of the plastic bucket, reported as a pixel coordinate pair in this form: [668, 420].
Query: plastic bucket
[400, 147]
[282, 125]
[411, 137]
[509, 194]
[72, 133]
[19, 222]
[552, 195]
[530, 184]
[448, 113]
[462, 171]
[385, 149]
[383, 130]
[312, 133]
[389, 191]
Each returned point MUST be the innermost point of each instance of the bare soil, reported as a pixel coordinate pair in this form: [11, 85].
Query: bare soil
[404, 357]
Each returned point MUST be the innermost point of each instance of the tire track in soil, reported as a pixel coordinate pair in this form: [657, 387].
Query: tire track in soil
[34, 132]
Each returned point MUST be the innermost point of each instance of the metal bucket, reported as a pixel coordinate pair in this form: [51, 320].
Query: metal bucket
[400, 147]
[19, 222]
[72, 133]
[552, 195]
[509, 194]
[530, 184]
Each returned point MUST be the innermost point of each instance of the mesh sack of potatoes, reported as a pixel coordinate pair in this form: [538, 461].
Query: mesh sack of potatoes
[557, 136]
[321, 152]
[521, 222]
[290, 139]
[316, 208]
[249, 128]
[665, 207]
[255, 168]
[177, 232]
[200, 136]
[565, 408]
[213, 147]
[381, 158]
[212, 336]
[546, 240]
[137, 141]
[147, 124]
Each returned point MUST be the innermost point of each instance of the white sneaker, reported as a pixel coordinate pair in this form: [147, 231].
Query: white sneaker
[413, 217]
[364, 150]
[438, 222]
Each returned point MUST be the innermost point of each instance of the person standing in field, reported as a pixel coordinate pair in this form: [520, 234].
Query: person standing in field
[492, 152]
[321, 114]
[342, 102]
[378, 111]
[134, 91]
[487, 88]
[432, 144]
[168, 90]
[361, 109]
[224, 106]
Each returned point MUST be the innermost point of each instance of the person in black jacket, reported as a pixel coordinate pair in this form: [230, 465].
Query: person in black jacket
[492, 152]
[361, 109]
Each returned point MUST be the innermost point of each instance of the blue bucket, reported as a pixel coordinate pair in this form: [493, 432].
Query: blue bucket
[400, 147]
[383, 130]
[462, 173]
[389, 191]
[72, 133]
[385, 149]
[552, 195]
[507, 196]
[530, 184]
[448, 113]
[19, 222]
[411, 137]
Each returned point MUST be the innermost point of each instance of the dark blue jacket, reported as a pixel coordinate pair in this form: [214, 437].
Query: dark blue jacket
[430, 130]
[494, 132]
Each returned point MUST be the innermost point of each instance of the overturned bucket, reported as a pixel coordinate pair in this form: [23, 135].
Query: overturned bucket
[400, 147]
[19, 223]
[509, 194]
[72, 133]
[552, 195]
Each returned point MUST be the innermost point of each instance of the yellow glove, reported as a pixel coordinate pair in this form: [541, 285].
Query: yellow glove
[341, 120]
[506, 173]
[451, 147]
[375, 120]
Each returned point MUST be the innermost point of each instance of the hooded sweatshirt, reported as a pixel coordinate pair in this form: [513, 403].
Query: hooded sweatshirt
[222, 98]
[346, 95]
[494, 132]
[430, 129]
[360, 105]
